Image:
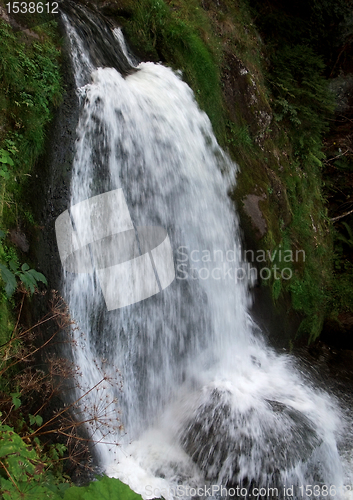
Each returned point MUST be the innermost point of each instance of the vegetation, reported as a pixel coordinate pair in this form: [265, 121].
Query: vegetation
[27, 476]
[37, 433]
[269, 101]
[306, 44]
[270, 105]
[29, 88]
[181, 35]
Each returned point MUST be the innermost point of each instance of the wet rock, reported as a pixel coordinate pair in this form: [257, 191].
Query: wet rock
[92, 26]
[237, 448]
[252, 210]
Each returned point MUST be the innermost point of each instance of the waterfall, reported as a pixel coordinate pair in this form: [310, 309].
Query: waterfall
[200, 398]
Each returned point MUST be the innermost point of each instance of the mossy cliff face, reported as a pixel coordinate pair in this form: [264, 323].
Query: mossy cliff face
[30, 89]
[271, 117]
[268, 105]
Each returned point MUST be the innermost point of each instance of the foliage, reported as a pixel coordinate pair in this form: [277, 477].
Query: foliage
[105, 488]
[24, 475]
[324, 25]
[341, 297]
[302, 98]
[239, 136]
[285, 160]
[28, 277]
[22, 470]
[347, 240]
[176, 34]
[13, 274]
[303, 43]
[29, 410]
[5, 159]
[30, 85]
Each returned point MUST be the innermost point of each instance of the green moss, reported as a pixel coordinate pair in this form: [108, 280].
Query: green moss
[6, 320]
[213, 44]
[180, 35]
[30, 87]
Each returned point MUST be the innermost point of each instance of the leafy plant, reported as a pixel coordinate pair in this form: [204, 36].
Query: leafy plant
[16, 399]
[105, 488]
[276, 288]
[28, 277]
[30, 86]
[5, 159]
[20, 466]
[240, 136]
[35, 419]
[301, 95]
[31, 469]
[25, 476]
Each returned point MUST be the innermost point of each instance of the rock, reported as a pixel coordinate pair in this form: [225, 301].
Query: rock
[342, 87]
[19, 239]
[252, 210]
[252, 447]
[122, 8]
[242, 94]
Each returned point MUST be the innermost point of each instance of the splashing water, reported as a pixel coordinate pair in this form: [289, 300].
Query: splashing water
[204, 400]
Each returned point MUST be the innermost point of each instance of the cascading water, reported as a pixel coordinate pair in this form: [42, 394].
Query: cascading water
[204, 399]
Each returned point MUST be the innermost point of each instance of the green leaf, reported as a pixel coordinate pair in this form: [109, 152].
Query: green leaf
[13, 265]
[30, 490]
[9, 279]
[35, 419]
[28, 277]
[25, 267]
[74, 493]
[19, 459]
[5, 157]
[106, 488]
[38, 276]
[28, 281]
[15, 399]
[5, 173]
[276, 288]
[57, 450]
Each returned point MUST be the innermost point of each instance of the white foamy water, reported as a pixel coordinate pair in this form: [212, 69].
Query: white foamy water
[204, 400]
